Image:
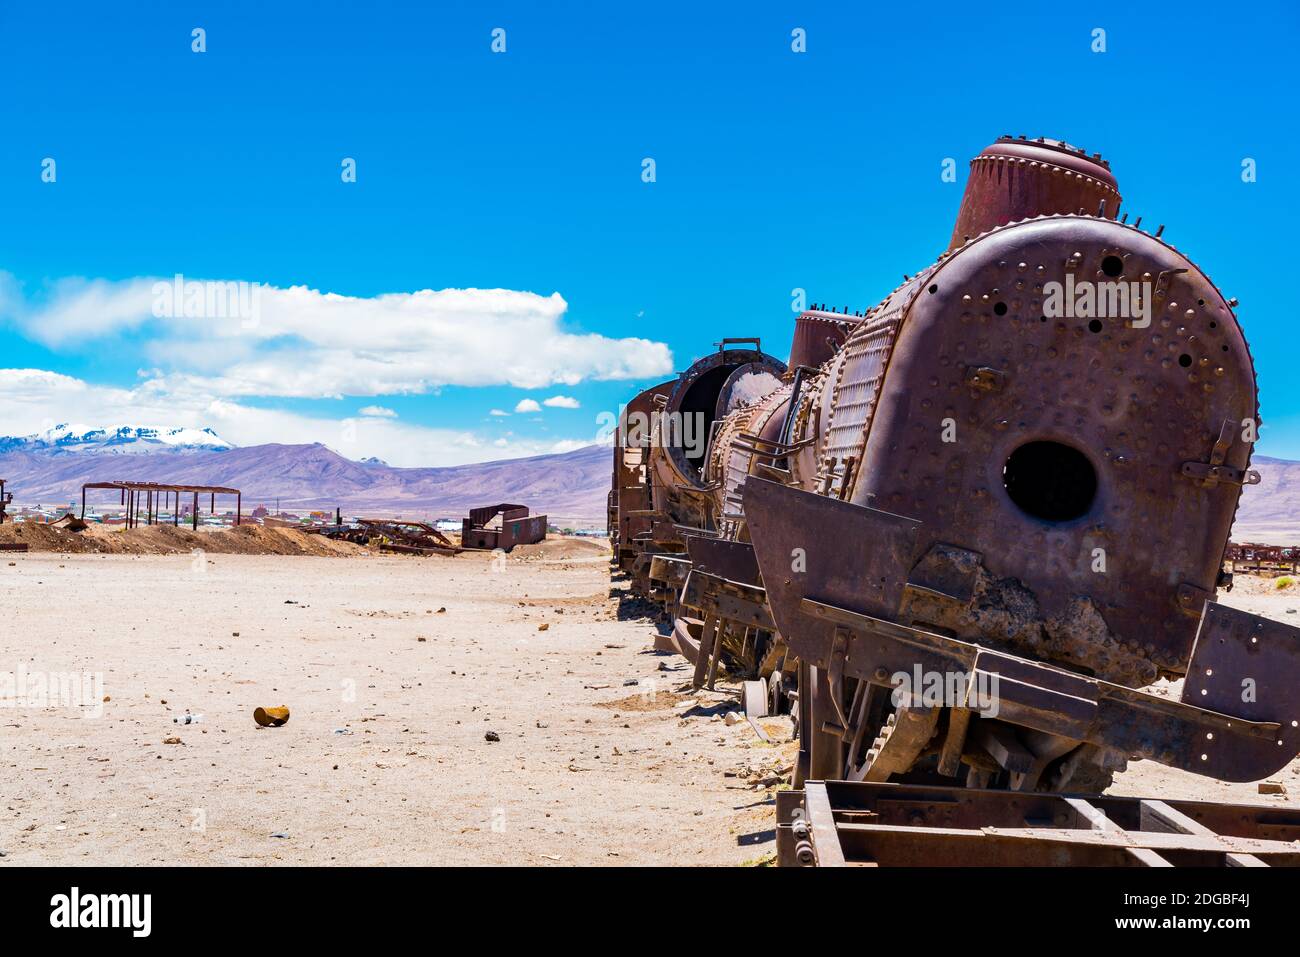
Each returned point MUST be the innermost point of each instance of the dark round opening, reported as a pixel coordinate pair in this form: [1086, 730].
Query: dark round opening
[934, 289]
[1050, 481]
[1042, 318]
[687, 434]
[1000, 308]
[1094, 326]
[1112, 266]
[1184, 360]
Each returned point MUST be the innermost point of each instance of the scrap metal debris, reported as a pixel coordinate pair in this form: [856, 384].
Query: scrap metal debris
[271, 717]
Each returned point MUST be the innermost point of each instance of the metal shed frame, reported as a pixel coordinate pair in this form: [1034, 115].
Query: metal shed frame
[151, 494]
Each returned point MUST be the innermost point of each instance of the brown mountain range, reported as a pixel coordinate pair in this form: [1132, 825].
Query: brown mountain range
[570, 486]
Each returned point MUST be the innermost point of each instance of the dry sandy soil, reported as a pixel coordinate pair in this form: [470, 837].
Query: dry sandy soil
[589, 769]
[385, 759]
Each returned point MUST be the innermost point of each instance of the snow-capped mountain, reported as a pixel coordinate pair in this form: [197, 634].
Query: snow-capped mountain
[122, 439]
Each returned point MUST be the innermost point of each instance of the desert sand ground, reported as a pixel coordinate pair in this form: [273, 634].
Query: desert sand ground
[384, 759]
[601, 757]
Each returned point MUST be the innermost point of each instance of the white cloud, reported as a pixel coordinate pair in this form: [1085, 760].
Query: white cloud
[297, 342]
[33, 400]
[300, 342]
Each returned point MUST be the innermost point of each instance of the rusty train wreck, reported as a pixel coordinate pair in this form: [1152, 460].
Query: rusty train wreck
[1256, 559]
[1018, 471]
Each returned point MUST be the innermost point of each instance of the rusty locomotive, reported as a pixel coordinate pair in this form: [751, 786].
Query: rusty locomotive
[1019, 469]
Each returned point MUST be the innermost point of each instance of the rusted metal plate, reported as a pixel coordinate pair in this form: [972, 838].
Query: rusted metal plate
[733, 601]
[1037, 696]
[1248, 667]
[811, 546]
[1052, 700]
[733, 561]
[672, 569]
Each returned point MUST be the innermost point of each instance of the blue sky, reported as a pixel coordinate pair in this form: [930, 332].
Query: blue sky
[521, 172]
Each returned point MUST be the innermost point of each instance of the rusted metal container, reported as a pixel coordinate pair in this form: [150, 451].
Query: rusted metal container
[1017, 178]
[271, 717]
[818, 334]
[516, 527]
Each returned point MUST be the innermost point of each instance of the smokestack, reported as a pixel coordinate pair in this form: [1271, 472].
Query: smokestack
[817, 335]
[1018, 178]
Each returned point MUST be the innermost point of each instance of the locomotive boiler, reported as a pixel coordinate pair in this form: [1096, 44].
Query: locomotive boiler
[959, 531]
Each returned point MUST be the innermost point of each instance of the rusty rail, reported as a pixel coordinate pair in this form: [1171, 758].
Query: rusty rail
[840, 823]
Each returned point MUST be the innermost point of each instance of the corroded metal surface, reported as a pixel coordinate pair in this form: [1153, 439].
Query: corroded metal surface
[517, 527]
[1020, 466]
[813, 546]
[733, 561]
[1261, 559]
[742, 442]
[818, 335]
[630, 499]
[840, 613]
[1245, 666]
[395, 535]
[691, 410]
[856, 374]
[1015, 179]
[1136, 403]
[836, 823]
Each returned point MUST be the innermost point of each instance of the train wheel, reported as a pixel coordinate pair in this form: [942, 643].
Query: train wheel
[777, 703]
